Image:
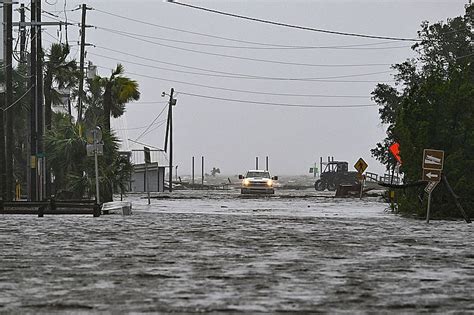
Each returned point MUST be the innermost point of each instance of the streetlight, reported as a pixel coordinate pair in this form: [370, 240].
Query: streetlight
[169, 131]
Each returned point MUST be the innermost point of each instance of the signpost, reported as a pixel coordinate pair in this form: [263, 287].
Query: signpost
[361, 166]
[432, 165]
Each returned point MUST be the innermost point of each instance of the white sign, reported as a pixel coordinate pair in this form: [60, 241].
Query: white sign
[433, 159]
[431, 175]
[430, 187]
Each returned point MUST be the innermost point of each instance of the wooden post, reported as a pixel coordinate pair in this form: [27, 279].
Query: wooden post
[202, 172]
[193, 172]
[428, 208]
[147, 187]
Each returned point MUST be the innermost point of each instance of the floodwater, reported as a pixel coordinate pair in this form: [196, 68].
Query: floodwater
[216, 252]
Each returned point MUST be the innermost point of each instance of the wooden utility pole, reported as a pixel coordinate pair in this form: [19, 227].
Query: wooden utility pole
[202, 172]
[40, 105]
[8, 55]
[22, 32]
[81, 62]
[170, 117]
[33, 196]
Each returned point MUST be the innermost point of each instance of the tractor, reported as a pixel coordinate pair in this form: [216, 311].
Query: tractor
[334, 174]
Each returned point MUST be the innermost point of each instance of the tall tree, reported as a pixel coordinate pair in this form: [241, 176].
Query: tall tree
[118, 91]
[60, 74]
[432, 106]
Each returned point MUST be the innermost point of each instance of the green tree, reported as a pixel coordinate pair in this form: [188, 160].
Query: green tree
[74, 171]
[20, 111]
[118, 91]
[60, 74]
[432, 106]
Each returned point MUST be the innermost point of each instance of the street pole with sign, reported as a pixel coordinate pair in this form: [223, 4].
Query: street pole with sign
[361, 166]
[433, 161]
[95, 147]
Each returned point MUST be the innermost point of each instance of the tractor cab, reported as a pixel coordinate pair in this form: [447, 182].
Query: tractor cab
[334, 174]
[336, 166]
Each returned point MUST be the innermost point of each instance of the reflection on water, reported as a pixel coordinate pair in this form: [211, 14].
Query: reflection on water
[225, 253]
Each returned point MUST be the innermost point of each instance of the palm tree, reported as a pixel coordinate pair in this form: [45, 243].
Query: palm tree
[118, 91]
[60, 74]
[74, 170]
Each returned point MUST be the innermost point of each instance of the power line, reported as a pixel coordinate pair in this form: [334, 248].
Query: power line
[343, 47]
[19, 99]
[141, 37]
[240, 90]
[249, 91]
[274, 104]
[184, 82]
[151, 124]
[247, 77]
[201, 34]
[218, 54]
[159, 123]
[293, 26]
[158, 126]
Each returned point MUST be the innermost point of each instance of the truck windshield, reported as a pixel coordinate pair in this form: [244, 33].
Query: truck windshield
[258, 174]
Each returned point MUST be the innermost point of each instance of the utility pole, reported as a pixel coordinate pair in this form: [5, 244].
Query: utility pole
[81, 62]
[8, 49]
[170, 111]
[40, 104]
[3, 177]
[33, 196]
[22, 32]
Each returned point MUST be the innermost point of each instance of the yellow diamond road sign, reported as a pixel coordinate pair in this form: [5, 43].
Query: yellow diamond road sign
[361, 165]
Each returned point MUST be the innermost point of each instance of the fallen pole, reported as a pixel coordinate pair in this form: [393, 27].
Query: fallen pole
[456, 199]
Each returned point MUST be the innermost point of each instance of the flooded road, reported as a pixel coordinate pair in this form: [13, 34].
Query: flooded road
[216, 252]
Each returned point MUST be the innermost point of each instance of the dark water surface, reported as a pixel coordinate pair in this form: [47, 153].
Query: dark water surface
[230, 254]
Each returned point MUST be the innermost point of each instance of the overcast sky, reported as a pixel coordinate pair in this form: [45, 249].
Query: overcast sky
[231, 134]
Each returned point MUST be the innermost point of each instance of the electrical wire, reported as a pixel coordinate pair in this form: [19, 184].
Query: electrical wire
[212, 87]
[19, 99]
[273, 104]
[151, 130]
[196, 33]
[247, 77]
[218, 54]
[292, 25]
[151, 124]
[344, 47]
[209, 70]
[138, 128]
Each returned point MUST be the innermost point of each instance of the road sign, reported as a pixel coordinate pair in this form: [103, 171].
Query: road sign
[433, 159]
[92, 134]
[361, 166]
[430, 187]
[432, 175]
[95, 148]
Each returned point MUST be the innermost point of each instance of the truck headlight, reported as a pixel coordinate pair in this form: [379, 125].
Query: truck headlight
[246, 182]
[269, 183]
